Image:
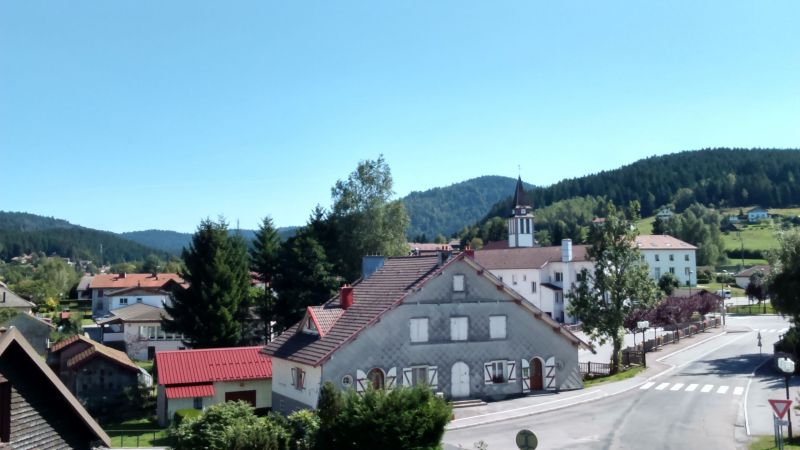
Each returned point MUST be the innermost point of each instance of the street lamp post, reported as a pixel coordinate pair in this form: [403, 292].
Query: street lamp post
[787, 367]
[643, 325]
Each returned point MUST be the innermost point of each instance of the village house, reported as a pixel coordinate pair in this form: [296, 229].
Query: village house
[36, 409]
[9, 299]
[666, 254]
[98, 375]
[757, 214]
[136, 330]
[35, 330]
[111, 291]
[197, 379]
[743, 278]
[446, 323]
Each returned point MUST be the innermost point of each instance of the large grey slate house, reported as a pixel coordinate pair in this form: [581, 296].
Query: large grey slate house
[444, 322]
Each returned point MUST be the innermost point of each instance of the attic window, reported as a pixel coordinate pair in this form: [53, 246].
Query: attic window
[309, 327]
[458, 283]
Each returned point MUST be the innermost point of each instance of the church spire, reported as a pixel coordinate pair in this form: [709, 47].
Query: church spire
[519, 194]
[520, 223]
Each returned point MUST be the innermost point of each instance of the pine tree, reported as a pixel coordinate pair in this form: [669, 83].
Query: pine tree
[210, 310]
[264, 262]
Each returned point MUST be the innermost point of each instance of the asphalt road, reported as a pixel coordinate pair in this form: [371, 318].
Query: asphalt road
[697, 404]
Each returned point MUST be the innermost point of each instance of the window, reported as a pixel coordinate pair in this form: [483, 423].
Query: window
[533, 287]
[419, 375]
[513, 279]
[458, 328]
[298, 378]
[559, 277]
[310, 327]
[671, 257]
[123, 301]
[138, 299]
[672, 270]
[347, 381]
[497, 327]
[497, 371]
[419, 329]
[686, 257]
[376, 378]
[658, 258]
[658, 273]
[687, 272]
[197, 403]
[458, 283]
[559, 297]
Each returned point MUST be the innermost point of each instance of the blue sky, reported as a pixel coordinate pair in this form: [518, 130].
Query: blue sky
[127, 115]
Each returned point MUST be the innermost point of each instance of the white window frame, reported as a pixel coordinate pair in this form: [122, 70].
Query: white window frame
[559, 277]
[672, 270]
[418, 329]
[533, 287]
[298, 378]
[123, 300]
[498, 333]
[459, 328]
[458, 283]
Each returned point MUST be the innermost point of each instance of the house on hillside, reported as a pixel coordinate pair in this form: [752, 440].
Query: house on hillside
[665, 214]
[446, 323]
[98, 375]
[136, 330]
[666, 254]
[743, 278]
[756, 214]
[36, 331]
[197, 379]
[36, 409]
[9, 299]
[111, 291]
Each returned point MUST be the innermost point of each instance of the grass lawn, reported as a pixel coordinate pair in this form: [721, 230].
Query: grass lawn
[768, 443]
[736, 291]
[146, 365]
[756, 309]
[645, 225]
[624, 375]
[137, 433]
[760, 236]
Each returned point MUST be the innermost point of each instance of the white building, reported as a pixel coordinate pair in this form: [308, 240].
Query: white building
[756, 214]
[666, 254]
[129, 296]
[104, 286]
[136, 329]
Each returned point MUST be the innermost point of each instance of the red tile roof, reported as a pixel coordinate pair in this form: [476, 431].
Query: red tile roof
[429, 247]
[526, 257]
[325, 316]
[661, 242]
[121, 281]
[191, 391]
[215, 364]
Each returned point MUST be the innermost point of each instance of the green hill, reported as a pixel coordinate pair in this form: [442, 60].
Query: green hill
[445, 210]
[173, 242]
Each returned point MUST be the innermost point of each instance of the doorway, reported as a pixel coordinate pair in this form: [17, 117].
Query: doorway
[460, 380]
[537, 380]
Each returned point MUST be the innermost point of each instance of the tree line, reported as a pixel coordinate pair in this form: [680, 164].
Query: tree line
[221, 308]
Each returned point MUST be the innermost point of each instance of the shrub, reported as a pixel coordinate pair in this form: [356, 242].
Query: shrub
[231, 426]
[304, 425]
[184, 414]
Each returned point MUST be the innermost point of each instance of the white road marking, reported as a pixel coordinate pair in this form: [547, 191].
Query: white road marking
[738, 390]
[722, 389]
[784, 330]
[707, 388]
[772, 330]
[647, 385]
[676, 387]
[662, 386]
[691, 387]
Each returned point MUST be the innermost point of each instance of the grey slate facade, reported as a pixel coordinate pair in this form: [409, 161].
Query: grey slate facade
[535, 354]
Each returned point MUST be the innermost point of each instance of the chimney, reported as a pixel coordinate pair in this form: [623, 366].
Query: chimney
[470, 252]
[442, 256]
[346, 296]
[4, 297]
[370, 265]
[123, 275]
[566, 250]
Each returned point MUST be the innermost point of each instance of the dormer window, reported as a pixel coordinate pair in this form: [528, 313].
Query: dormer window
[309, 327]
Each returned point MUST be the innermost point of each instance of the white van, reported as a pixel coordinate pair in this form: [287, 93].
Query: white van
[724, 293]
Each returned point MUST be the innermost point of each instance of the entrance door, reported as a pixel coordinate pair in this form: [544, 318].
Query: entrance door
[460, 380]
[537, 383]
[247, 396]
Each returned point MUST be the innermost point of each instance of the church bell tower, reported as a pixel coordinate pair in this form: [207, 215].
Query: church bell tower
[520, 223]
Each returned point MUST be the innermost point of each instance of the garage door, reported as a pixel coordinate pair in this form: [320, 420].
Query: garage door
[247, 396]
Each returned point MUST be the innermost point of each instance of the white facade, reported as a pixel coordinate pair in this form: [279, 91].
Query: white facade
[166, 408]
[282, 376]
[142, 339]
[126, 299]
[680, 262]
[754, 215]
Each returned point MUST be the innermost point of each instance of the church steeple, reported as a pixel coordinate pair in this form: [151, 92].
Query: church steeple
[520, 223]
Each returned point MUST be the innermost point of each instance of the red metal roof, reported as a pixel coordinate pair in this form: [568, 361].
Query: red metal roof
[191, 391]
[215, 364]
[145, 280]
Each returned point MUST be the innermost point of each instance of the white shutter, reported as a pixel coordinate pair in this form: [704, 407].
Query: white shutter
[361, 381]
[302, 381]
[526, 376]
[423, 330]
[433, 376]
[294, 376]
[487, 373]
[511, 367]
[391, 378]
[406, 377]
[550, 374]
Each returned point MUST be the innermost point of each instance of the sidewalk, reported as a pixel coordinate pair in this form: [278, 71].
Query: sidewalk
[540, 403]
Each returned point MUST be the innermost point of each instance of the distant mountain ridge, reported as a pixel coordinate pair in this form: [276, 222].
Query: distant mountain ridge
[445, 210]
[173, 242]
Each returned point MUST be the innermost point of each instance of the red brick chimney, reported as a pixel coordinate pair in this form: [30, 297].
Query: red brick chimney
[346, 296]
[469, 252]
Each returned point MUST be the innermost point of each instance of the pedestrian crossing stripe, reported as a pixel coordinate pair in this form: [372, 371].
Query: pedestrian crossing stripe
[707, 388]
[647, 385]
[676, 387]
[722, 389]
[737, 390]
[662, 386]
[691, 387]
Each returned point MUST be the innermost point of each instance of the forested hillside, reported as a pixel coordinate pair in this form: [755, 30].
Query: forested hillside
[173, 242]
[722, 177]
[445, 210]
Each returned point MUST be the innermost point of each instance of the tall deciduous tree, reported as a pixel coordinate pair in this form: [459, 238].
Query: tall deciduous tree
[784, 283]
[210, 310]
[756, 288]
[366, 218]
[264, 262]
[618, 284]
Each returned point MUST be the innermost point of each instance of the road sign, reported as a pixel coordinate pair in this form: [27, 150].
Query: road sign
[780, 407]
[526, 440]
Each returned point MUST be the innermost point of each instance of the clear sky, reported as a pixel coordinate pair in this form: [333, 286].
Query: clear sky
[134, 114]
